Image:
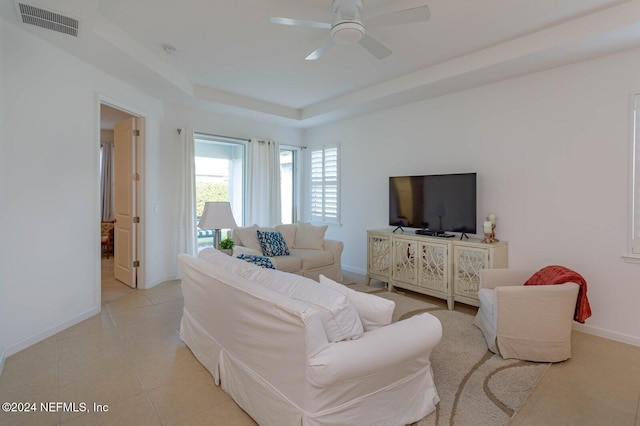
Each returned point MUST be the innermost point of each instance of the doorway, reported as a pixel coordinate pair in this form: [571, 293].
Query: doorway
[124, 249]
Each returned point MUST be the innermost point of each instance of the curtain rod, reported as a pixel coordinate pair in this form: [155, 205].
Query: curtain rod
[211, 135]
[240, 139]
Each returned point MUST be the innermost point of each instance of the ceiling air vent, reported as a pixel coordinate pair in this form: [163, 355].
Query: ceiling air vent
[47, 19]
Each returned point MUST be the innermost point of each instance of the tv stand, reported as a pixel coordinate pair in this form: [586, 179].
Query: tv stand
[398, 227]
[440, 267]
[464, 234]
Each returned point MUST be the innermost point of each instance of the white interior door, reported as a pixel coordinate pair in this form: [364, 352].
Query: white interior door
[125, 228]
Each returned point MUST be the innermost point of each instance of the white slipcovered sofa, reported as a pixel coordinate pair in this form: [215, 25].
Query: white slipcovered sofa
[292, 351]
[310, 254]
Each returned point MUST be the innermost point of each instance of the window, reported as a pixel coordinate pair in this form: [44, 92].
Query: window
[325, 184]
[289, 183]
[219, 164]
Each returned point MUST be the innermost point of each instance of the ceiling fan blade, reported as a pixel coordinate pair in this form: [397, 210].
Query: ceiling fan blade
[298, 23]
[320, 50]
[375, 48]
[406, 16]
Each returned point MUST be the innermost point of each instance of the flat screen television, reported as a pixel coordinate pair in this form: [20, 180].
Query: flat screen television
[436, 203]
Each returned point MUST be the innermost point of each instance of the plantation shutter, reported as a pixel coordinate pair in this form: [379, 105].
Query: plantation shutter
[325, 184]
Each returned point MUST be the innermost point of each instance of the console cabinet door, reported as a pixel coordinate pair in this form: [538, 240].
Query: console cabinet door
[467, 264]
[433, 259]
[379, 256]
[404, 260]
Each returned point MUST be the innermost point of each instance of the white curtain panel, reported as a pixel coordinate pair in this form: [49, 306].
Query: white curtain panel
[106, 183]
[187, 240]
[263, 184]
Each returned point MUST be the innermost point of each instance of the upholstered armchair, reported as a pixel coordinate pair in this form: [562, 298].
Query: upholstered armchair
[531, 322]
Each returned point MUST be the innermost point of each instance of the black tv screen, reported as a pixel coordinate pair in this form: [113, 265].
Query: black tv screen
[435, 202]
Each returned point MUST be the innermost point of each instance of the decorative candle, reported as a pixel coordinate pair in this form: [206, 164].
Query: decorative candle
[491, 218]
[487, 227]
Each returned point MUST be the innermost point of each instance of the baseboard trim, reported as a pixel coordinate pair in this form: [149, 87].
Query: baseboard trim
[354, 269]
[607, 334]
[36, 338]
[160, 281]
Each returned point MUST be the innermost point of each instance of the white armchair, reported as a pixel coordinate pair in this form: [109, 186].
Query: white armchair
[531, 323]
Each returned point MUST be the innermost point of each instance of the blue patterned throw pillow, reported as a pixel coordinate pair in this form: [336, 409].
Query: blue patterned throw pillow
[261, 261]
[273, 243]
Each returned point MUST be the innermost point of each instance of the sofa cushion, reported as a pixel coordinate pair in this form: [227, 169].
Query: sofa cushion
[272, 243]
[374, 311]
[313, 258]
[309, 236]
[339, 316]
[227, 263]
[289, 234]
[287, 263]
[247, 237]
[238, 250]
[261, 261]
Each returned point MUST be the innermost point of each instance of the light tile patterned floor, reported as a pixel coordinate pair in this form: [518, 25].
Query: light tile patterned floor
[130, 358]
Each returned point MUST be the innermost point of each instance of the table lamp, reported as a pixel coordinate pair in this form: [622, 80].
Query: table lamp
[217, 215]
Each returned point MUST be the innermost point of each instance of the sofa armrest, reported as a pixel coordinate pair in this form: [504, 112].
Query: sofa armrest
[334, 246]
[492, 278]
[377, 351]
[537, 311]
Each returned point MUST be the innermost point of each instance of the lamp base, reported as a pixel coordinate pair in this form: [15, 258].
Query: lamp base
[216, 238]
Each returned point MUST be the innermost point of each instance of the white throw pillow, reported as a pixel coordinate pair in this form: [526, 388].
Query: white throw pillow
[289, 234]
[374, 311]
[247, 237]
[339, 316]
[309, 236]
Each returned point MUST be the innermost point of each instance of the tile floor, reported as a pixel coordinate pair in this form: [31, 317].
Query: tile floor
[130, 358]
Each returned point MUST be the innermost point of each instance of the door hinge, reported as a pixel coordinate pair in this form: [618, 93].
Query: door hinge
[136, 263]
[136, 176]
[136, 132]
[136, 219]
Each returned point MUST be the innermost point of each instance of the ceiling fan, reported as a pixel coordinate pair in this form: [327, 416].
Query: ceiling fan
[348, 26]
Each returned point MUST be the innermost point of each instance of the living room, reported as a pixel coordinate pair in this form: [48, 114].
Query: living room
[551, 149]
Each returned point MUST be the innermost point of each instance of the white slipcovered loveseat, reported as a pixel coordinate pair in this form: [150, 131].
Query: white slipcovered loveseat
[308, 252]
[291, 351]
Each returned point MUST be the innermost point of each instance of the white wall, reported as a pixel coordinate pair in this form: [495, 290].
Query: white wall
[50, 245]
[552, 155]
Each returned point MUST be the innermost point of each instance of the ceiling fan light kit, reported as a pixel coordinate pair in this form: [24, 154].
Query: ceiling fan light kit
[347, 32]
[348, 26]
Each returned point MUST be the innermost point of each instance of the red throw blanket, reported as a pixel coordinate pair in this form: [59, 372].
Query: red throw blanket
[556, 274]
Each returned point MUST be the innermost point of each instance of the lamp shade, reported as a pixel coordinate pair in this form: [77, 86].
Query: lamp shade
[217, 215]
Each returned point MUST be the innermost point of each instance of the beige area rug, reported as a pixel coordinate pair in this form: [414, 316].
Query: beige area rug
[476, 387]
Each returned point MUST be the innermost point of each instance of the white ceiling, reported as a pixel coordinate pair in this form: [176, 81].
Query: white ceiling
[230, 58]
